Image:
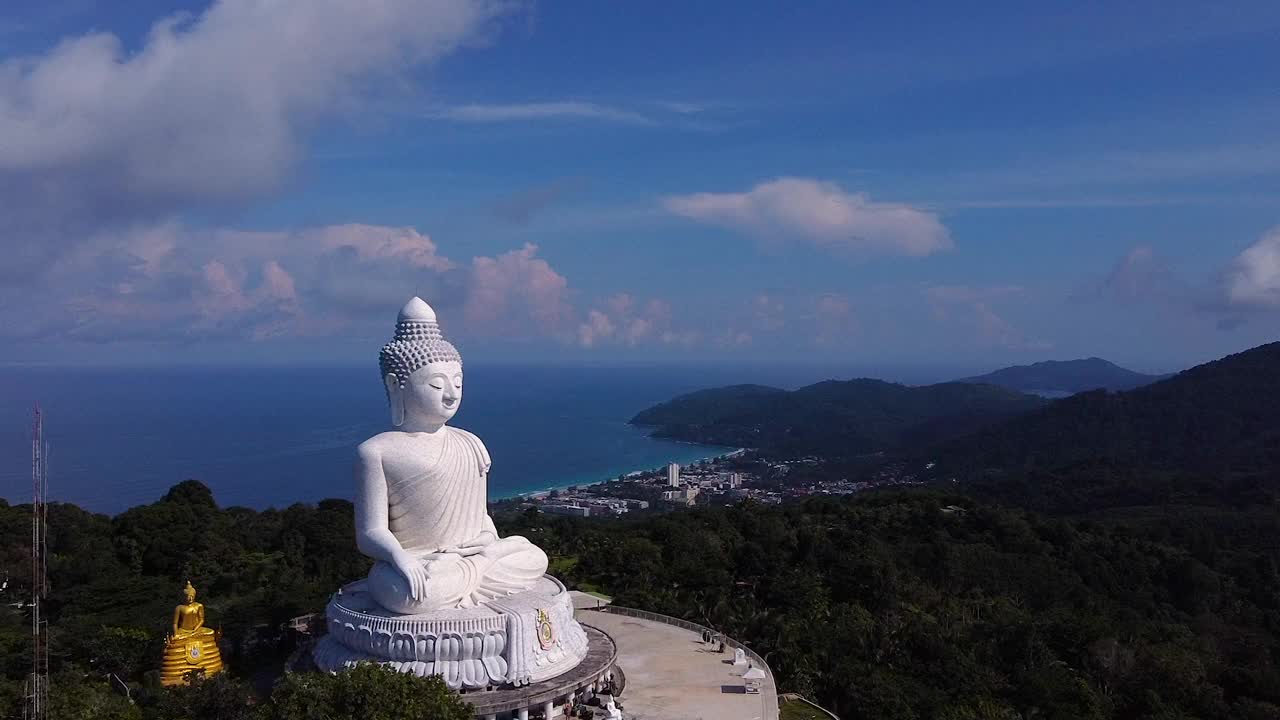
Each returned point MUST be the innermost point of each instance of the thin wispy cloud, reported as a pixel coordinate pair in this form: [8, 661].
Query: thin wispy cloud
[692, 114]
[1055, 202]
[1140, 276]
[565, 109]
[684, 107]
[1125, 168]
[521, 207]
[975, 307]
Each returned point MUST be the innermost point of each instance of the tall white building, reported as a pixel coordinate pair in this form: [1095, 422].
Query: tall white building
[673, 475]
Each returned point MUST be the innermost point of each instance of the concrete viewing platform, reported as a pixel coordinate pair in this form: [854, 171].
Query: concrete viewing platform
[672, 675]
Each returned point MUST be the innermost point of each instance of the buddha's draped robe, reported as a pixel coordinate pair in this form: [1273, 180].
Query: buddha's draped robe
[437, 509]
[444, 505]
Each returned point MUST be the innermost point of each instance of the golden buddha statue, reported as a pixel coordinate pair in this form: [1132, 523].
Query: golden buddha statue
[192, 648]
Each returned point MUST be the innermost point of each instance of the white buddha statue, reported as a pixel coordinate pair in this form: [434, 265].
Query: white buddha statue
[421, 495]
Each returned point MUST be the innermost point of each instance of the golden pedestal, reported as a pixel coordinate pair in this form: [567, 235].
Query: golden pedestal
[183, 655]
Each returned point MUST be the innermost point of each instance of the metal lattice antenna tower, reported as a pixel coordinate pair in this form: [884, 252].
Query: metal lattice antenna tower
[38, 683]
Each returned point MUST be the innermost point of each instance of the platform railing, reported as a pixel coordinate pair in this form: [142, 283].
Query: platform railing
[797, 698]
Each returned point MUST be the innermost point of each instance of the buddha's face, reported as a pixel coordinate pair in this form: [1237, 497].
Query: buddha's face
[190, 595]
[433, 393]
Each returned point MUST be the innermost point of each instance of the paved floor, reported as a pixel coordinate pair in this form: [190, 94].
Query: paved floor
[671, 675]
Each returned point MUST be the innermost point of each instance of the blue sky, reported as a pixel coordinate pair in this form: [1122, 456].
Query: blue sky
[585, 182]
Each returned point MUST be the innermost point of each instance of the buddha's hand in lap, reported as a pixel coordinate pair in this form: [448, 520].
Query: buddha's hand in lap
[415, 573]
[419, 571]
[475, 545]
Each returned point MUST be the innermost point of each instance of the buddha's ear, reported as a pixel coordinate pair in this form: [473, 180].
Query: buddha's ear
[396, 398]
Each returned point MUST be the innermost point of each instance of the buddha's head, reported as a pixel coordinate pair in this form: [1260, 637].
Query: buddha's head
[189, 593]
[421, 371]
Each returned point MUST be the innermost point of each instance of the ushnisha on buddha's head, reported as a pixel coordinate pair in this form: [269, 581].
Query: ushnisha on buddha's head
[422, 372]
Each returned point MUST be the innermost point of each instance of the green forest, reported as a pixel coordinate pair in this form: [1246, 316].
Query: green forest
[912, 604]
[115, 581]
[922, 605]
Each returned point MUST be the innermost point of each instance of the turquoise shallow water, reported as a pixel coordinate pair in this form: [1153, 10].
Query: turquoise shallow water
[272, 437]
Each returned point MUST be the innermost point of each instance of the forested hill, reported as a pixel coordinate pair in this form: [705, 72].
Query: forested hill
[1065, 376]
[889, 605]
[1221, 417]
[834, 418]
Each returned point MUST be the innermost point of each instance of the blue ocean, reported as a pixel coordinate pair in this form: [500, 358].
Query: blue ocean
[262, 437]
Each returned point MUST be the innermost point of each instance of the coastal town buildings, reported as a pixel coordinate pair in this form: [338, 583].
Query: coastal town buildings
[566, 509]
[685, 496]
[723, 480]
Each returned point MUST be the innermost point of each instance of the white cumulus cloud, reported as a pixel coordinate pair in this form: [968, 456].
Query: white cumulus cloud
[212, 103]
[1253, 279]
[172, 283]
[210, 108]
[821, 213]
[519, 294]
[624, 321]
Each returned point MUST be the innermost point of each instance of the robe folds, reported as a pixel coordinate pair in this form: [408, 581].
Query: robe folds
[445, 504]
[435, 511]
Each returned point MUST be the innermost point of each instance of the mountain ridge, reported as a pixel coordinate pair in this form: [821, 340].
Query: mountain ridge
[1065, 376]
[1218, 417]
[841, 417]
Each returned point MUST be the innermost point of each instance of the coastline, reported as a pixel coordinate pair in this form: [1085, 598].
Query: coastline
[542, 493]
[118, 441]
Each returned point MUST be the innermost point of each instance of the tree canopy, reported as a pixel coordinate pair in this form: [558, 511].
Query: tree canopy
[923, 605]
